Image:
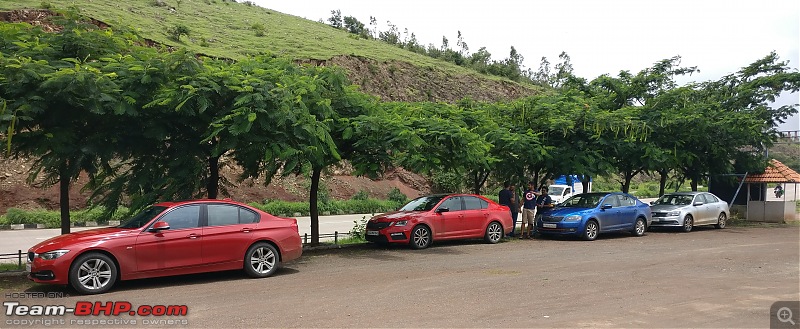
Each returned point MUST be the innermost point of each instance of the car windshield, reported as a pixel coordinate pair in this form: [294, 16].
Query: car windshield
[142, 218]
[674, 199]
[424, 203]
[583, 201]
[556, 190]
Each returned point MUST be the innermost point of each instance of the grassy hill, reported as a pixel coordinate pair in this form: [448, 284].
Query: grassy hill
[224, 28]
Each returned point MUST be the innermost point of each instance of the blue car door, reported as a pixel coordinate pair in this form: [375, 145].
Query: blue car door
[609, 218]
[627, 211]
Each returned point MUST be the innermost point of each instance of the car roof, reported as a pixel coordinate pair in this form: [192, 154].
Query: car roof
[684, 193]
[183, 202]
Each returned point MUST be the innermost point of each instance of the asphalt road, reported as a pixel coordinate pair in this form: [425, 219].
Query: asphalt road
[706, 278]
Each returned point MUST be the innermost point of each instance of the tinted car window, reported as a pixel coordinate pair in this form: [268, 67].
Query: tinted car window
[424, 203]
[674, 199]
[625, 201]
[183, 217]
[453, 203]
[583, 201]
[220, 214]
[710, 198]
[246, 216]
[612, 200]
[472, 203]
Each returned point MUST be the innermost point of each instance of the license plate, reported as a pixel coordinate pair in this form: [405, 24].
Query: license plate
[372, 232]
[28, 267]
[548, 225]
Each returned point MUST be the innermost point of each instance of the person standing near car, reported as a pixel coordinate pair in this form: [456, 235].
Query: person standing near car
[528, 211]
[515, 208]
[504, 198]
[544, 201]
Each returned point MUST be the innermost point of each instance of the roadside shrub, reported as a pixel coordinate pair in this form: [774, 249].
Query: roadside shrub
[52, 219]
[446, 182]
[397, 196]
[361, 195]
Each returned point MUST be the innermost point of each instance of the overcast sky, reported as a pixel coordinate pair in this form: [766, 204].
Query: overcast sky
[600, 36]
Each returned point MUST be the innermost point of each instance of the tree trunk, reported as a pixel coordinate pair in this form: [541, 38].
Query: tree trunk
[312, 203]
[662, 182]
[63, 191]
[694, 184]
[212, 186]
[626, 184]
[476, 187]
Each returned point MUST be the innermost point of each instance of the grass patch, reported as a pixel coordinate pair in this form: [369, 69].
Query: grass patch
[14, 283]
[7, 267]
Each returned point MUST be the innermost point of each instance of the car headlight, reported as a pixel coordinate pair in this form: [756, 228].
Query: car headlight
[400, 223]
[53, 254]
[572, 218]
[674, 213]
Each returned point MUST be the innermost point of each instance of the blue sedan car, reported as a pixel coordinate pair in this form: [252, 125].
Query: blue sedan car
[589, 214]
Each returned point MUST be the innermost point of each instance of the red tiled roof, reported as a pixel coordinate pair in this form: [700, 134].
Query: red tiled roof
[776, 172]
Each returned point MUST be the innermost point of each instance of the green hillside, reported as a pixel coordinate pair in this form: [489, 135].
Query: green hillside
[224, 28]
[229, 29]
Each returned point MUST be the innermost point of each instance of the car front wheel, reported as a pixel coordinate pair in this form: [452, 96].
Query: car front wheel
[494, 232]
[639, 227]
[688, 223]
[261, 260]
[721, 221]
[591, 231]
[420, 237]
[92, 273]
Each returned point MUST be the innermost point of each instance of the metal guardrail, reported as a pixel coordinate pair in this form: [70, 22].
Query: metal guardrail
[19, 256]
[335, 235]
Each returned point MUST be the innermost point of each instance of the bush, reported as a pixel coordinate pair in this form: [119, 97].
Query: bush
[52, 219]
[397, 196]
[446, 182]
[175, 32]
[361, 195]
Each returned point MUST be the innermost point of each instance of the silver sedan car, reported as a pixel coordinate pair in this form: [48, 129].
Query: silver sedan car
[689, 209]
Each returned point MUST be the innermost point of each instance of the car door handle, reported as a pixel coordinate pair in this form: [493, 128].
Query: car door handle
[192, 236]
[246, 230]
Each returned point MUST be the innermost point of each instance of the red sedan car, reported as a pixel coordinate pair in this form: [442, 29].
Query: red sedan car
[441, 217]
[170, 238]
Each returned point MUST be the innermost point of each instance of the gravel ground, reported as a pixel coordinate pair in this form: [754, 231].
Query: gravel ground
[706, 278]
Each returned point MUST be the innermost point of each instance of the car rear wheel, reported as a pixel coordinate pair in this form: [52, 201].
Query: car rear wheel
[494, 232]
[92, 273]
[688, 223]
[261, 260]
[639, 227]
[420, 237]
[721, 221]
[591, 231]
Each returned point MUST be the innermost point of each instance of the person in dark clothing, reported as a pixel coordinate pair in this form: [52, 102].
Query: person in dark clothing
[505, 198]
[528, 211]
[514, 208]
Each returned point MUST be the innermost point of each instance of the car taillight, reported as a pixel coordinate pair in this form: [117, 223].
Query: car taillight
[294, 225]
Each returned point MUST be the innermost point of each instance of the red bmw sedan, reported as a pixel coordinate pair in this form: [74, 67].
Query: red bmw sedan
[441, 217]
[170, 238]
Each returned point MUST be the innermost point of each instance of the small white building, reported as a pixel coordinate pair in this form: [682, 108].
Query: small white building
[767, 205]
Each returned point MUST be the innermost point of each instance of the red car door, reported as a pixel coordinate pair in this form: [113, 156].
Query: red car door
[228, 233]
[178, 246]
[475, 216]
[452, 219]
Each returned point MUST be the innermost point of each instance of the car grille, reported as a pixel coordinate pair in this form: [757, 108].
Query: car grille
[377, 225]
[659, 214]
[31, 255]
[552, 218]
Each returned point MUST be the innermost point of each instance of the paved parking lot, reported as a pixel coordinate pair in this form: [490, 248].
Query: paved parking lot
[706, 278]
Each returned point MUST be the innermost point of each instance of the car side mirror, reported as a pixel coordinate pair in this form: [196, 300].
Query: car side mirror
[442, 209]
[606, 206]
[698, 204]
[652, 203]
[159, 226]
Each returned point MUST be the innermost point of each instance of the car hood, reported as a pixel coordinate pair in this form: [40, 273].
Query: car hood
[666, 207]
[566, 211]
[398, 215]
[66, 240]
